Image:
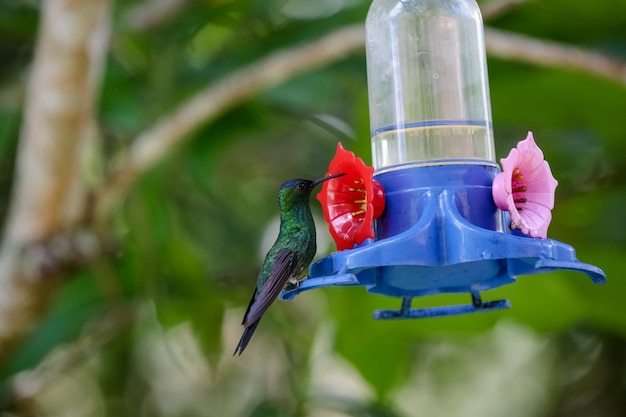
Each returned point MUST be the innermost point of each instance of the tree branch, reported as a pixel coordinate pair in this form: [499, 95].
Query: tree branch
[154, 144]
[48, 194]
[495, 8]
[522, 48]
[149, 14]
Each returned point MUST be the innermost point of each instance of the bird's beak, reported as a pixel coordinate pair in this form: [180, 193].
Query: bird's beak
[319, 180]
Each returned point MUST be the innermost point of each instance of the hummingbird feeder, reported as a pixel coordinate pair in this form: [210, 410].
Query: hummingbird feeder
[435, 214]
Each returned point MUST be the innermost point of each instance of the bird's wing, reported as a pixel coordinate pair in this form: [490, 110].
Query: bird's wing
[282, 269]
[243, 322]
[285, 264]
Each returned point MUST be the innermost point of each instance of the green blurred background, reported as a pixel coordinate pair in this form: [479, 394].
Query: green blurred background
[150, 329]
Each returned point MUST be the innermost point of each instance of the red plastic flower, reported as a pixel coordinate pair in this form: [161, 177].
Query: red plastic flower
[351, 202]
[525, 188]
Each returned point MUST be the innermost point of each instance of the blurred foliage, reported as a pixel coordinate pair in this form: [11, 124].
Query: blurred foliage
[150, 329]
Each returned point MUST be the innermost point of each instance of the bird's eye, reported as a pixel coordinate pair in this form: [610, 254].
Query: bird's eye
[301, 186]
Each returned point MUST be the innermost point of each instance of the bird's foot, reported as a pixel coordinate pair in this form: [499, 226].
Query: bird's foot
[295, 282]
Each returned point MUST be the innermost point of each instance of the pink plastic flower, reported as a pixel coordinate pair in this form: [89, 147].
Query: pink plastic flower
[525, 188]
[351, 202]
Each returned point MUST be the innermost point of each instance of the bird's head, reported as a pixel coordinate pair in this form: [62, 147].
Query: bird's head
[299, 189]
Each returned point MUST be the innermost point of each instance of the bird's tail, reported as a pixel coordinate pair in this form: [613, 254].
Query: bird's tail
[245, 338]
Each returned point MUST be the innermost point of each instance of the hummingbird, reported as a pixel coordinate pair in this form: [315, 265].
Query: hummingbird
[292, 252]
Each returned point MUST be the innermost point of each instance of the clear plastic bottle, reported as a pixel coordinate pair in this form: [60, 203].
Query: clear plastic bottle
[427, 80]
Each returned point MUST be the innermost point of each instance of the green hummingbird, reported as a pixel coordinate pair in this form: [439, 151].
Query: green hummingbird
[292, 252]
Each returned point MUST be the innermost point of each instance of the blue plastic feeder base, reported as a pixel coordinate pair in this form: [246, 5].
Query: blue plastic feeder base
[441, 233]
